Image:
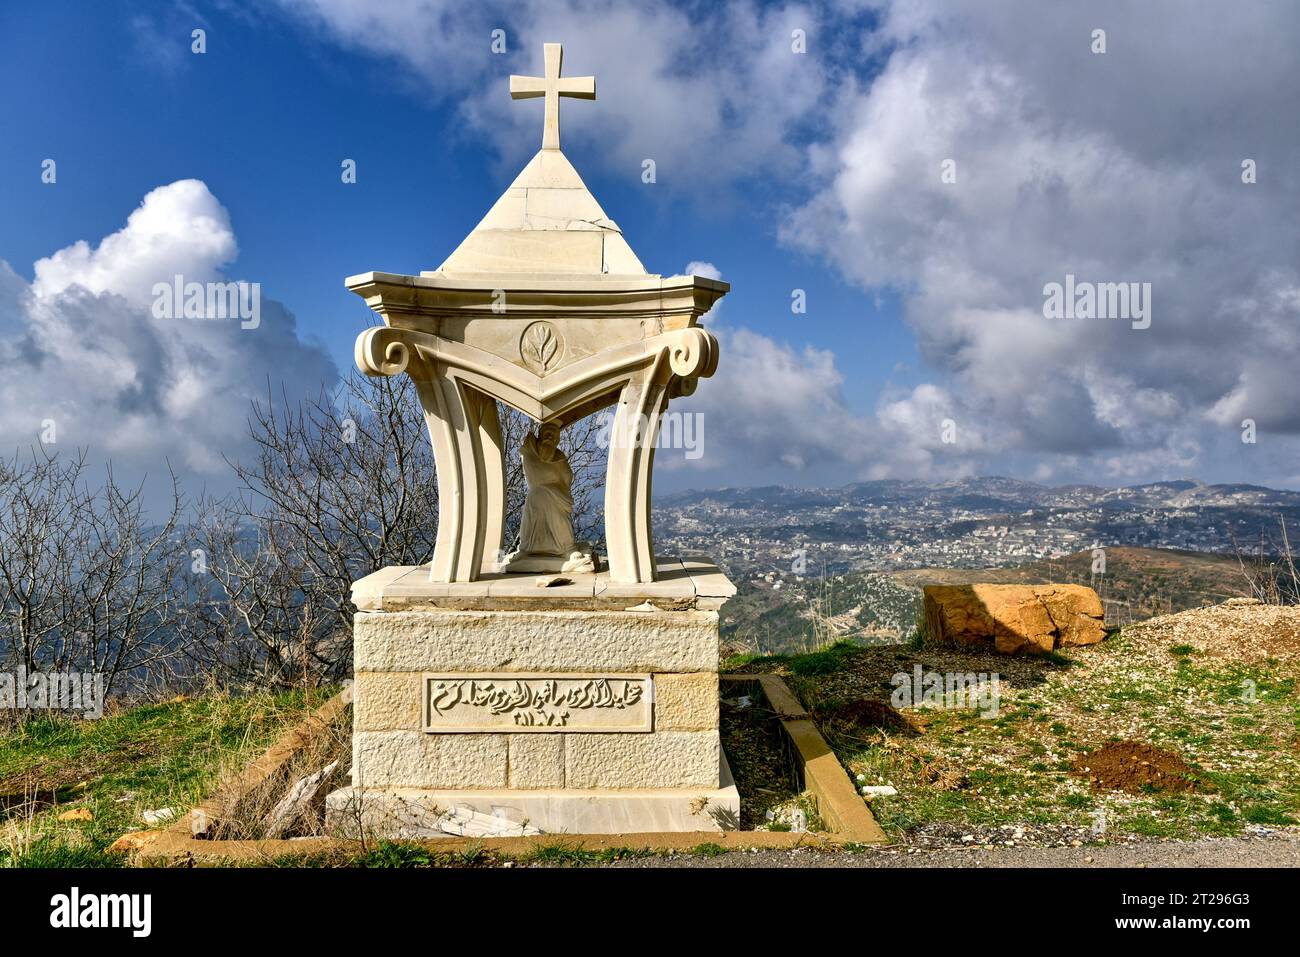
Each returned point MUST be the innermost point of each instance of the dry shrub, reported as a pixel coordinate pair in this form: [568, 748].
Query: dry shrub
[245, 816]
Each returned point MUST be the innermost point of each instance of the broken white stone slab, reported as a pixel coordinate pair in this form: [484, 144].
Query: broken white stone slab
[464, 821]
[294, 804]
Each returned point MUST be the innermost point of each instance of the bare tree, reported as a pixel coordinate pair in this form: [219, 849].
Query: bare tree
[121, 604]
[40, 539]
[1269, 568]
[87, 583]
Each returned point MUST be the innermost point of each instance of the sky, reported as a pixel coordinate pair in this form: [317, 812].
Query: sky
[919, 173]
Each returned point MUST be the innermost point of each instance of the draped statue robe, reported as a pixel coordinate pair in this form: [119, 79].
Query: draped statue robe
[547, 525]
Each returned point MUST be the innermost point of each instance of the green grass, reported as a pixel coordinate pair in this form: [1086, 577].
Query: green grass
[54, 852]
[709, 850]
[824, 661]
[397, 854]
[1237, 725]
[562, 854]
[155, 756]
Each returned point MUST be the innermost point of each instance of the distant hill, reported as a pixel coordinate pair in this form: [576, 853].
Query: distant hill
[993, 492]
[792, 614]
[1138, 582]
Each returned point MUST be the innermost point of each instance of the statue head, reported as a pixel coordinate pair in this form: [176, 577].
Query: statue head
[548, 437]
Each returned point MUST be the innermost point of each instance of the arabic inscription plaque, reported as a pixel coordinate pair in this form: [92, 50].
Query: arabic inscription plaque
[537, 702]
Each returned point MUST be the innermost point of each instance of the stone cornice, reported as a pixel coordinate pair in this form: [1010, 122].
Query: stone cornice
[411, 300]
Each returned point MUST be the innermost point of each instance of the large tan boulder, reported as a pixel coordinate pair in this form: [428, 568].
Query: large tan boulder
[1030, 619]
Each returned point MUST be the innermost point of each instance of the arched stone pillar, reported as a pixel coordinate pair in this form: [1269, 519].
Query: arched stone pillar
[459, 387]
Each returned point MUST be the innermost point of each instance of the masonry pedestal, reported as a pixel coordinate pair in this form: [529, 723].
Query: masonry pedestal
[508, 706]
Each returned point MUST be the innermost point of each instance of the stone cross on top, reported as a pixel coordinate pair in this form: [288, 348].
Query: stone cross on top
[552, 86]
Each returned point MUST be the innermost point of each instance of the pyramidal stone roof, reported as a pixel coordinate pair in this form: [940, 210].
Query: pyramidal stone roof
[547, 221]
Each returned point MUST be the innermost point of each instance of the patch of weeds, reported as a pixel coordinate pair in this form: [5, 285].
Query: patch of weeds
[53, 852]
[394, 854]
[472, 856]
[824, 662]
[560, 854]
[708, 850]
[856, 847]
[1267, 814]
[1148, 825]
[752, 662]
[1223, 813]
[611, 854]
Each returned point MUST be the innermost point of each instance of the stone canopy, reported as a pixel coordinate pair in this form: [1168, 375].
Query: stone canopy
[545, 307]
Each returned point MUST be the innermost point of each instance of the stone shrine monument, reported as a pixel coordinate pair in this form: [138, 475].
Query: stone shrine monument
[557, 690]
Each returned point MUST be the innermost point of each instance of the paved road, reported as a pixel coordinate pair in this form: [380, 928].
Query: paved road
[1278, 849]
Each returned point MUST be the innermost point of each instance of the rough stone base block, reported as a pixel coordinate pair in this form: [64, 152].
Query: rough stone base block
[410, 813]
[501, 707]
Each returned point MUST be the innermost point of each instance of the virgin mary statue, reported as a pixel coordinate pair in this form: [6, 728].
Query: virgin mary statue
[546, 531]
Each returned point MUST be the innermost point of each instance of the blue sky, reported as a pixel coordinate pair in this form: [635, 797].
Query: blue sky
[818, 173]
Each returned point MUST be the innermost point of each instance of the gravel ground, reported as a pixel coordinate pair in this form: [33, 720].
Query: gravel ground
[1276, 848]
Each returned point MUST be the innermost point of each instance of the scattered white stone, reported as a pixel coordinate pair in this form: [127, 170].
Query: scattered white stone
[160, 816]
[294, 804]
[879, 790]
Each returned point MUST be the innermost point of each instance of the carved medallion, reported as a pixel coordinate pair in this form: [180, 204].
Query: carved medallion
[541, 347]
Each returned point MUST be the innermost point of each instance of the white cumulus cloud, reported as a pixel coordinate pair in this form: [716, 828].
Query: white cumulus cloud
[84, 352]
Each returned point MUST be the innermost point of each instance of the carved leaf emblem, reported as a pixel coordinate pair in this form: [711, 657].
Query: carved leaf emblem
[540, 346]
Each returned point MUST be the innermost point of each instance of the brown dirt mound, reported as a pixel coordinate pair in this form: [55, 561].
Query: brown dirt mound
[1137, 768]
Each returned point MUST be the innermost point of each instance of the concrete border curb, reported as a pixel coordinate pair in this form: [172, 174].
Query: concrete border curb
[838, 801]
